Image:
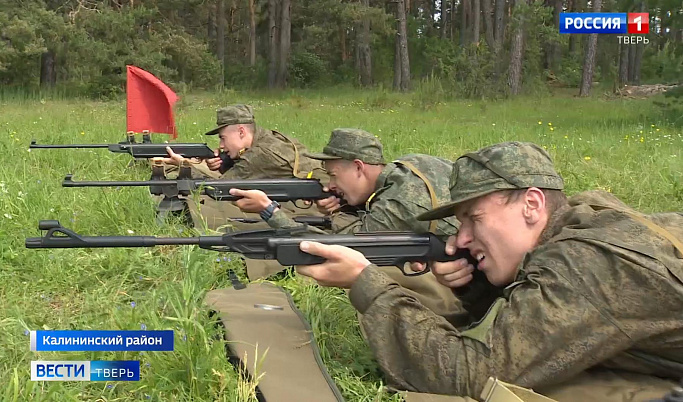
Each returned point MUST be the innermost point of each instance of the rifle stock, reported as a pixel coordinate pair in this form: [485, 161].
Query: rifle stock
[280, 190]
[383, 249]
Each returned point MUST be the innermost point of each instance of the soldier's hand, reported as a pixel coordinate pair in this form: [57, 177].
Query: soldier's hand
[174, 158]
[329, 204]
[214, 163]
[341, 269]
[452, 274]
[251, 201]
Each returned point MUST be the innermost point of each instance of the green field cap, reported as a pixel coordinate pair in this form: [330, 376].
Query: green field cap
[350, 144]
[504, 166]
[233, 114]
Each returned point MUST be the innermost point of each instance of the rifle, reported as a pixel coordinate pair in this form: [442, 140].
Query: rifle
[219, 190]
[384, 249]
[145, 150]
[318, 221]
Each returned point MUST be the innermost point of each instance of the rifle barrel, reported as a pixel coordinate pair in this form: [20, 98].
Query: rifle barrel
[117, 241]
[74, 146]
[143, 183]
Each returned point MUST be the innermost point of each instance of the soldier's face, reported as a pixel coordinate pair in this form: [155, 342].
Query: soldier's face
[233, 139]
[348, 180]
[499, 232]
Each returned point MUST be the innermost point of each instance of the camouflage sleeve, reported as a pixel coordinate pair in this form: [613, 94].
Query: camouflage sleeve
[546, 331]
[280, 220]
[259, 163]
[384, 215]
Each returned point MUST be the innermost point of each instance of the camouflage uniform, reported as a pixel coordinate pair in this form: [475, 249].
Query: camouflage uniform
[400, 195]
[271, 155]
[602, 290]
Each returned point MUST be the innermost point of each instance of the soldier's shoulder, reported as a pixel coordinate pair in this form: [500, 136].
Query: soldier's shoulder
[423, 159]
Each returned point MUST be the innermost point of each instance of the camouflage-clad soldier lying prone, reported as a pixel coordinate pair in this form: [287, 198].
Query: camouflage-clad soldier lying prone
[256, 153]
[588, 292]
[392, 195]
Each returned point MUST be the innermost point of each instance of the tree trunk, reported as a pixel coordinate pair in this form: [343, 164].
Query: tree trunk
[623, 64]
[444, 19]
[476, 18]
[488, 23]
[220, 37]
[631, 63]
[516, 55]
[428, 14]
[574, 39]
[363, 51]
[552, 54]
[211, 26]
[285, 42]
[48, 73]
[589, 59]
[403, 44]
[397, 63]
[252, 33]
[451, 23]
[499, 28]
[464, 13]
[342, 42]
[273, 43]
[639, 54]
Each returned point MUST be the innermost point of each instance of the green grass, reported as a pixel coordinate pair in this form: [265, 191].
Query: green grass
[616, 145]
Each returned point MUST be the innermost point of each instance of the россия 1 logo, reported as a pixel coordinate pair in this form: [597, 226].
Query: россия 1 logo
[604, 23]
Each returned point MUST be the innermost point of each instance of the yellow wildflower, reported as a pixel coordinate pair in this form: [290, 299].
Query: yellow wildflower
[566, 137]
[552, 128]
[550, 124]
[587, 158]
[540, 122]
[642, 139]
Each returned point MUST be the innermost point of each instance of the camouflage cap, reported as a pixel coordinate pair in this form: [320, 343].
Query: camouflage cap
[233, 114]
[350, 144]
[504, 166]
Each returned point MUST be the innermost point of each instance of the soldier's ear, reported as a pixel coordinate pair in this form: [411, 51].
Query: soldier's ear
[534, 205]
[358, 165]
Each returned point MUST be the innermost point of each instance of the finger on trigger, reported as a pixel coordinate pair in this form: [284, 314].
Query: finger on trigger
[443, 268]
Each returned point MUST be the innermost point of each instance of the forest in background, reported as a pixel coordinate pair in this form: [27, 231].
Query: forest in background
[465, 48]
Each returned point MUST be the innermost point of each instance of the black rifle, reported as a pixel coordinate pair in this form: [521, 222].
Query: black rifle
[219, 190]
[384, 249]
[145, 150]
[324, 222]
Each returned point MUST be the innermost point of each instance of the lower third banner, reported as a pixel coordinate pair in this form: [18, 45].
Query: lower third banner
[88, 370]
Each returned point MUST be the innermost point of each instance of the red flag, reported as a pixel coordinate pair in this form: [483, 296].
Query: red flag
[149, 103]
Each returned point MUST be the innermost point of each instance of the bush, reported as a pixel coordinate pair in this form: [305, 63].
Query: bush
[662, 66]
[672, 106]
[307, 70]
